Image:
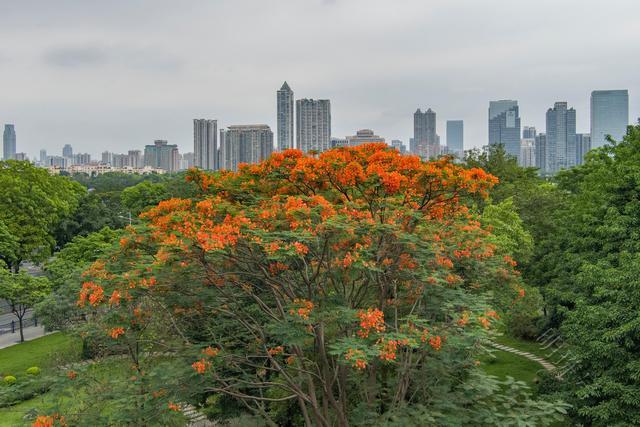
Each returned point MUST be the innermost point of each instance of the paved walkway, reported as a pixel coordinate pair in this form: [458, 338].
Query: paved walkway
[545, 364]
[30, 333]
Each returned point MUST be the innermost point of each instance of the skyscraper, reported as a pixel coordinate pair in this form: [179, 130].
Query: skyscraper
[561, 138]
[455, 137]
[527, 153]
[541, 152]
[43, 156]
[609, 115]
[399, 145]
[425, 139]
[313, 124]
[162, 155]
[9, 142]
[529, 132]
[504, 125]
[135, 159]
[285, 117]
[67, 151]
[245, 144]
[583, 145]
[205, 144]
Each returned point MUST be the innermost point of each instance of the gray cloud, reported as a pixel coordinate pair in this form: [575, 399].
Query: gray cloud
[115, 75]
[73, 57]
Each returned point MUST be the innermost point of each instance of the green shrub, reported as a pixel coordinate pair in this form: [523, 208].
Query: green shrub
[10, 380]
[34, 370]
[24, 390]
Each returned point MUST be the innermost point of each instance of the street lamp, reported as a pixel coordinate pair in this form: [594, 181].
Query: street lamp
[126, 217]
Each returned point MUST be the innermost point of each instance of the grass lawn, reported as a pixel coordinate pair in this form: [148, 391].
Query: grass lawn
[503, 364]
[45, 352]
[532, 347]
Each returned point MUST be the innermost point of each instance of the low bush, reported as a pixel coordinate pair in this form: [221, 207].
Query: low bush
[34, 370]
[10, 380]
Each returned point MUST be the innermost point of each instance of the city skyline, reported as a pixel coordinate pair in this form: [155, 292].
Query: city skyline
[123, 79]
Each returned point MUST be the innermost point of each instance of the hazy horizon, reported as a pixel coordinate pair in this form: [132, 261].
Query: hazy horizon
[115, 76]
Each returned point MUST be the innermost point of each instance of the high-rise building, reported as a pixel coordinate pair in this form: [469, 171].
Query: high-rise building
[285, 117]
[57, 162]
[9, 142]
[455, 137]
[186, 161]
[541, 153]
[67, 151]
[504, 125]
[363, 136]
[245, 144]
[583, 145]
[162, 155]
[561, 138]
[205, 144]
[527, 157]
[399, 145]
[81, 159]
[22, 157]
[313, 125]
[135, 159]
[529, 132]
[119, 160]
[425, 139]
[43, 157]
[609, 115]
[106, 158]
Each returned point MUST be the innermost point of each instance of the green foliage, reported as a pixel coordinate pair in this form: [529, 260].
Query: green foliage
[509, 233]
[58, 310]
[32, 203]
[9, 246]
[592, 267]
[10, 380]
[95, 212]
[143, 195]
[34, 370]
[523, 317]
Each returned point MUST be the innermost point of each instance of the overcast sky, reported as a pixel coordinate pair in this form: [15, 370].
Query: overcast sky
[117, 74]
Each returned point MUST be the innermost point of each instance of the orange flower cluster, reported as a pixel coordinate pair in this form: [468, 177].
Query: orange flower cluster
[201, 366]
[301, 248]
[372, 319]
[210, 351]
[303, 310]
[436, 342]
[49, 421]
[92, 293]
[388, 349]
[275, 350]
[116, 332]
[173, 407]
[510, 261]
[406, 262]
[357, 358]
[115, 298]
[72, 375]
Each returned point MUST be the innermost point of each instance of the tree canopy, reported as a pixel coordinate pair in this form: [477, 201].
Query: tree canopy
[32, 203]
[348, 288]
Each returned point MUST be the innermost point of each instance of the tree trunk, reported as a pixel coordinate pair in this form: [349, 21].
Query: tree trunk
[21, 331]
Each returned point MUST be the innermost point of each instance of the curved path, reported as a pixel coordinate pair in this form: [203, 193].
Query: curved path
[545, 364]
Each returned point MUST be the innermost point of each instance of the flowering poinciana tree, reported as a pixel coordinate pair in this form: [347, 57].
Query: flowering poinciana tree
[321, 290]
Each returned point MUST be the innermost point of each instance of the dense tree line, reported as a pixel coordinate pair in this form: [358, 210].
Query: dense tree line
[294, 291]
